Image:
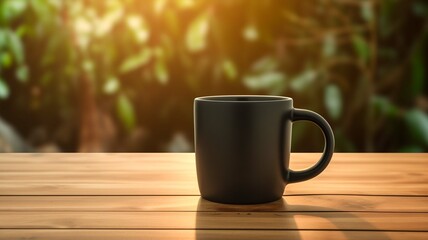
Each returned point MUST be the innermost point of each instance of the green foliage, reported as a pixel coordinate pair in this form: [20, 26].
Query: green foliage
[161, 72]
[251, 33]
[126, 112]
[361, 47]
[5, 60]
[133, 53]
[264, 76]
[304, 80]
[111, 86]
[4, 90]
[136, 61]
[420, 8]
[16, 47]
[418, 66]
[22, 73]
[367, 11]
[385, 106]
[333, 100]
[272, 82]
[196, 35]
[411, 149]
[10, 9]
[13, 44]
[417, 122]
[265, 64]
[229, 69]
[329, 45]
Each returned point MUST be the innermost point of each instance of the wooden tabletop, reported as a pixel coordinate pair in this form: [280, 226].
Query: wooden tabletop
[155, 196]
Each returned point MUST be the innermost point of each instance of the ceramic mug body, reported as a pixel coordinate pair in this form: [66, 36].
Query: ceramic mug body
[242, 147]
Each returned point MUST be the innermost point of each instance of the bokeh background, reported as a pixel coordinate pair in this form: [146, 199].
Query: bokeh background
[121, 75]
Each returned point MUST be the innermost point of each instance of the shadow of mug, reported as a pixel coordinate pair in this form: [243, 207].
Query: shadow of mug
[244, 219]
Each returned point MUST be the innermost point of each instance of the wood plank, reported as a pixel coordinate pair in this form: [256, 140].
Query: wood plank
[347, 172]
[136, 157]
[205, 234]
[175, 174]
[189, 188]
[216, 220]
[320, 203]
[58, 162]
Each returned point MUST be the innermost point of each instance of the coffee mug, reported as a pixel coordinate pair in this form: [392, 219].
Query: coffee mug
[242, 147]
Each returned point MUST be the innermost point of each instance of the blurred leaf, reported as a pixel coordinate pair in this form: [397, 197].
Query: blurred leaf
[420, 8]
[418, 71]
[142, 35]
[329, 45]
[4, 89]
[136, 61]
[16, 47]
[3, 38]
[333, 100]
[229, 69]
[83, 25]
[16, 6]
[367, 10]
[274, 82]
[265, 64]
[417, 123]
[197, 33]
[137, 24]
[10, 9]
[22, 73]
[361, 47]
[111, 86]
[134, 21]
[105, 24]
[83, 28]
[5, 59]
[250, 33]
[161, 72]
[88, 65]
[303, 80]
[42, 10]
[159, 6]
[179, 143]
[22, 30]
[125, 112]
[411, 149]
[385, 106]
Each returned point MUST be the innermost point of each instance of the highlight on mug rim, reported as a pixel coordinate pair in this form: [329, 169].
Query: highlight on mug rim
[243, 98]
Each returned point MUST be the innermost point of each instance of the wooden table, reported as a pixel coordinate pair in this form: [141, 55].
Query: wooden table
[155, 196]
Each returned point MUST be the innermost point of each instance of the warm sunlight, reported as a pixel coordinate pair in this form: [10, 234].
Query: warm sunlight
[121, 75]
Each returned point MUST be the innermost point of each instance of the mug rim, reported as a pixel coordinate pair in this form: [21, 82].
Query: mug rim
[250, 98]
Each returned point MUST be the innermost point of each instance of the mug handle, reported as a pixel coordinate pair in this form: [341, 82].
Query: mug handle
[303, 175]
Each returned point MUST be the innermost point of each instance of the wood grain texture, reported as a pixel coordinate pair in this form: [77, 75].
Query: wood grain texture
[310, 203]
[155, 196]
[217, 220]
[175, 174]
[206, 235]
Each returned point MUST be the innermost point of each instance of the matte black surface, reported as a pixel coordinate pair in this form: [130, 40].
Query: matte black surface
[242, 147]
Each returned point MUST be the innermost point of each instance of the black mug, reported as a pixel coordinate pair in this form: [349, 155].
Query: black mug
[242, 146]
